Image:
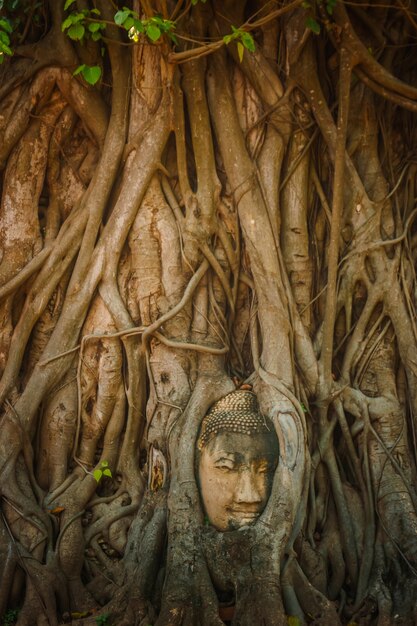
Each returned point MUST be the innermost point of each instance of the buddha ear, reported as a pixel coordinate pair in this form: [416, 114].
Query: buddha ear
[288, 438]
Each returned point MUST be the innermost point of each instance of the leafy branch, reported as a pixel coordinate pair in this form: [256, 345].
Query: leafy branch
[153, 27]
[244, 40]
[103, 470]
[311, 22]
[5, 31]
[82, 24]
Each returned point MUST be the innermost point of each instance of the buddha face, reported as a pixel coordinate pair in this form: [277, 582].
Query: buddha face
[235, 472]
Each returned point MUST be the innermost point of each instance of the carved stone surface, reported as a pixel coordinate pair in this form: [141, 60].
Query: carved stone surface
[236, 459]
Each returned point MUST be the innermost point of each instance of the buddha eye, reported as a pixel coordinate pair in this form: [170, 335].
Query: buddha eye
[225, 466]
[263, 468]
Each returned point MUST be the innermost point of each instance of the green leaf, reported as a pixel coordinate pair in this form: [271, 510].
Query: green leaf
[128, 23]
[91, 74]
[73, 18]
[305, 4]
[240, 50]
[79, 69]
[107, 472]
[66, 23]
[5, 48]
[95, 11]
[248, 42]
[165, 25]
[104, 464]
[68, 4]
[4, 37]
[330, 5]
[153, 32]
[293, 620]
[121, 16]
[227, 39]
[97, 474]
[5, 25]
[76, 32]
[313, 25]
[94, 27]
[138, 25]
[173, 37]
[95, 36]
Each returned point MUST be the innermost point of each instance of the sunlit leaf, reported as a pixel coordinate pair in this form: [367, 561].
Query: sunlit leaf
[97, 474]
[121, 16]
[153, 32]
[240, 50]
[138, 25]
[5, 25]
[79, 69]
[76, 32]
[133, 34]
[4, 37]
[107, 472]
[91, 74]
[94, 27]
[68, 4]
[128, 23]
[5, 48]
[248, 42]
[66, 23]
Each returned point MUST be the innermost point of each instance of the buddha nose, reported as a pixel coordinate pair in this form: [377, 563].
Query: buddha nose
[246, 489]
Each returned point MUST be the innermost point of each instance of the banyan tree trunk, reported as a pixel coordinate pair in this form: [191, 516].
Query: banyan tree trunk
[208, 217]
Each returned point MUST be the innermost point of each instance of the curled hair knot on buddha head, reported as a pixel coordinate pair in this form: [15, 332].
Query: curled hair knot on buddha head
[237, 412]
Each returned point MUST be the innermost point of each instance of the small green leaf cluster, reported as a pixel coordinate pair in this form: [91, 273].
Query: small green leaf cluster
[311, 22]
[5, 31]
[102, 620]
[82, 24]
[153, 27]
[10, 5]
[10, 617]
[90, 73]
[243, 40]
[101, 471]
[330, 5]
[313, 25]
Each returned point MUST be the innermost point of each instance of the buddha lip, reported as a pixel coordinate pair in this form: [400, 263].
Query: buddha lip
[244, 512]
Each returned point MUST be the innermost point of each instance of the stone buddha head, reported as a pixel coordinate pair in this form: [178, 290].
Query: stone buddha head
[236, 459]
